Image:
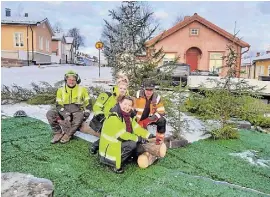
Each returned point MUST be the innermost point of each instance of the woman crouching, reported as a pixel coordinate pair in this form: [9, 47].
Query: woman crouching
[120, 135]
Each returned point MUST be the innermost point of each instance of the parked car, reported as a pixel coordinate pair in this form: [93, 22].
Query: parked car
[80, 61]
[204, 73]
[179, 73]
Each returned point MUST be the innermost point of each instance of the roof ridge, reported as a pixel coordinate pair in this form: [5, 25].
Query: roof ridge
[203, 21]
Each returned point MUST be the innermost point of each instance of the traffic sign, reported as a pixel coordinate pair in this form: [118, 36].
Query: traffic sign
[99, 45]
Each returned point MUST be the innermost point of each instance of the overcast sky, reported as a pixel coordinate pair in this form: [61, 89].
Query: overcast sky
[253, 18]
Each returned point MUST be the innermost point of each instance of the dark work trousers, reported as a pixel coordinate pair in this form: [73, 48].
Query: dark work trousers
[76, 121]
[128, 148]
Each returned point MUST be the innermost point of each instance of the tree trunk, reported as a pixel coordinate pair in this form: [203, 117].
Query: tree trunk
[154, 149]
[146, 159]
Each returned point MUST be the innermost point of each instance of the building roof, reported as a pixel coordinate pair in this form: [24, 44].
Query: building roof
[262, 57]
[20, 20]
[69, 39]
[14, 20]
[57, 36]
[201, 20]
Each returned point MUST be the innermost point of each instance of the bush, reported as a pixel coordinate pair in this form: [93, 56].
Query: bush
[227, 132]
[259, 121]
[42, 99]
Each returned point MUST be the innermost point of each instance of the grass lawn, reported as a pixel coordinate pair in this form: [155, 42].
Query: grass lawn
[190, 171]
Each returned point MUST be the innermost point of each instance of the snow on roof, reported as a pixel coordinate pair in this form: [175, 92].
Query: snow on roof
[57, 36]
[262, 57]
[21, 20]
[69, 40]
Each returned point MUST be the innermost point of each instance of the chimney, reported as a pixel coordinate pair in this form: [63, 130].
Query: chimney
[26, 15]
[186, 17]
[8, 12]
[258, 54]
[268, 52]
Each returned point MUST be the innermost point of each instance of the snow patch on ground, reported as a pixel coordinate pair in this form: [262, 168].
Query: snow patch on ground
[251, 157]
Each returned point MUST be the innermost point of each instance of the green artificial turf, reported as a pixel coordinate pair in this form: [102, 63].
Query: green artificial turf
[190, 171]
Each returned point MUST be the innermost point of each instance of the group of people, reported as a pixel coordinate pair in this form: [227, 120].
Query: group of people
[120, 119]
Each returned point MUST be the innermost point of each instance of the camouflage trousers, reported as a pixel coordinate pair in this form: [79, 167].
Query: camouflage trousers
[63, 126]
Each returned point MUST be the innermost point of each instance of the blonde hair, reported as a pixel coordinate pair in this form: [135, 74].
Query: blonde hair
[121, 77]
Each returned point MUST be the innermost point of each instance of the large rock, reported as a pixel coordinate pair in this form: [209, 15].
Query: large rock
[25, 185]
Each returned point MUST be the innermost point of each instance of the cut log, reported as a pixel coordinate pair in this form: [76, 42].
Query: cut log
[154, 149]
[85, 128]
[146, 159]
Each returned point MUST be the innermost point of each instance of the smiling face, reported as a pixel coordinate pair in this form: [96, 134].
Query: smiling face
[122, 89]
[148, 92]
[126, 105]
[71, 81]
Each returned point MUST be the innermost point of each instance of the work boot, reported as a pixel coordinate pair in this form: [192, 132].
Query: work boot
[66, 138]
[118, 171]
[93, 150]
[56, 138]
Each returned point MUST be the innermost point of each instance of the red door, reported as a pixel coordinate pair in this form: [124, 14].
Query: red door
[192, 58]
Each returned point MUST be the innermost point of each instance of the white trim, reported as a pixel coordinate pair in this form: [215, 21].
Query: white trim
[10, 50]
[138, 94]
[120, 133]
[109, 138]
[158, 99]
[30, 51]
[20, 40]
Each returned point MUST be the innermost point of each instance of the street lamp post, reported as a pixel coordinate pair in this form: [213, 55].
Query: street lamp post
[99, 45]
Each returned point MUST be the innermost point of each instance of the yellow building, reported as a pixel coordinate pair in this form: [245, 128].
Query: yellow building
[26, 39]
[261, 65]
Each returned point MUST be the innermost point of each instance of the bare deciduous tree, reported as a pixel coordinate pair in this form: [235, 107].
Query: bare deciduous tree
[178, 19]
[78, 38]
[57, 28]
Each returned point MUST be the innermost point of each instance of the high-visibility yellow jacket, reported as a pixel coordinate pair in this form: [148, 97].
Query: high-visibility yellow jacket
[72, 99]
[156, 105]
[106, 101]
[112, 135]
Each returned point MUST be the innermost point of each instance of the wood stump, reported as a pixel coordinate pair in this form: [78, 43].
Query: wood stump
[151, 153]
[146, 159]
[85, 128]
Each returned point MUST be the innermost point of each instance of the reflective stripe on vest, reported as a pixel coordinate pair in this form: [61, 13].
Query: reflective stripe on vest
[109, 138]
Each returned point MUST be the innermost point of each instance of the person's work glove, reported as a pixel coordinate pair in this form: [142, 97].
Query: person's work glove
[142, 140]
[144, 123]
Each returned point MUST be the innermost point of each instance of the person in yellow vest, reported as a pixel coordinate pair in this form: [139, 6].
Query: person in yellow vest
[104, 103]
[72, 107]
[120, 135]
[150, 109]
